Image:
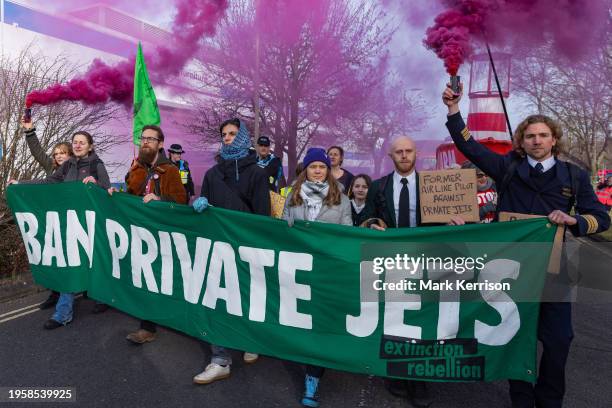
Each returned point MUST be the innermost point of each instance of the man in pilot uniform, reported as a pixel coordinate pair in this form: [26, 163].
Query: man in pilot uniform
[532, 180]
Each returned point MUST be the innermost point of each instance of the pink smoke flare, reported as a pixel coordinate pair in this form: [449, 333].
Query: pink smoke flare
[573, 27]
[104, 83]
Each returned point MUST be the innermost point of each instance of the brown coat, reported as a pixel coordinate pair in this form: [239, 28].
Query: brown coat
[170, 185]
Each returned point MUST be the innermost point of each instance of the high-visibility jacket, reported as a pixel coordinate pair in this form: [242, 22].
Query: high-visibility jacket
[605, 195]
[286, 190]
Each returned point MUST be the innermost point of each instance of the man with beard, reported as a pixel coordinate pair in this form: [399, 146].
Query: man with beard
[394, 199]
[154, 178]
[532, 179]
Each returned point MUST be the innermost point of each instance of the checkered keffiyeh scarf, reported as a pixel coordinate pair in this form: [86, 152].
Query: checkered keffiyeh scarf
[239, 148]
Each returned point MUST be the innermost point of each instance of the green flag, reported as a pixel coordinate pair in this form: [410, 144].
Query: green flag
[146, 111]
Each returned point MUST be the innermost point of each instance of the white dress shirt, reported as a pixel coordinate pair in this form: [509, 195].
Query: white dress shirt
[412, 192]
[546, 164]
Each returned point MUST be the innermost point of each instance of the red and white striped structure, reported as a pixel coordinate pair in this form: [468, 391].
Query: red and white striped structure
[486, 117]
[486, 120]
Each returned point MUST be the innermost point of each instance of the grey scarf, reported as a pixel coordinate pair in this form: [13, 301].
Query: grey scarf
[313, 193]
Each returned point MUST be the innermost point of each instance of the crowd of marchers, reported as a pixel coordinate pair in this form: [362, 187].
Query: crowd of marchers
[530, 179]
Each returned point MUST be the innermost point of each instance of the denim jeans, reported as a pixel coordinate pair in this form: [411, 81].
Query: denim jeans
[220, 355]
[63, 308]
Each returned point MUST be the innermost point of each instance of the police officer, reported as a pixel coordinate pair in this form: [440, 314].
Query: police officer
[531, 179]
[270, 163]
[175, 151]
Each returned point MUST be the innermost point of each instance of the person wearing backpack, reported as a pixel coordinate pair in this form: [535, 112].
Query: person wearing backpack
[532, 180]
[236, 182]
[85, 166]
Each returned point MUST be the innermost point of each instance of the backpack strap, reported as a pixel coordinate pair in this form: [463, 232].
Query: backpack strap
[574, 173]
[93, 168]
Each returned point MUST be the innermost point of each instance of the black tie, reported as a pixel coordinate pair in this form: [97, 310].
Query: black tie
[404, 205]
[539, 168]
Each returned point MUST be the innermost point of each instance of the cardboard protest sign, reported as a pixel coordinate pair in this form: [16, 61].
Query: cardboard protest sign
[554, 265]
[444, 194]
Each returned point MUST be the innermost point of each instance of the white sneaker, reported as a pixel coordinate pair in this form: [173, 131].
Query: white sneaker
[213, 372]
[250, 358]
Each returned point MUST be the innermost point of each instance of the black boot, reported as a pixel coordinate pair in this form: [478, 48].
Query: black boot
[99, 308]
[50, 302]
[418, 394]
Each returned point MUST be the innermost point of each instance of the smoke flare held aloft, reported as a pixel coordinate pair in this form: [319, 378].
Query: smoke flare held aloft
[573, 27]
[105, 83]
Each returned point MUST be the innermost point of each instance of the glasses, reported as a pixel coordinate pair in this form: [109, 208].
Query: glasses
[480, 175]
[147, 139]
[229, 134]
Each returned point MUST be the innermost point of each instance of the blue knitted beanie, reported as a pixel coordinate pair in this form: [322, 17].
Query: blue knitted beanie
[316, 154]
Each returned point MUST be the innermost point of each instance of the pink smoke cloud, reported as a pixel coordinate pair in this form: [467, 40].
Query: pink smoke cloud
[103, 83]
[573, 27]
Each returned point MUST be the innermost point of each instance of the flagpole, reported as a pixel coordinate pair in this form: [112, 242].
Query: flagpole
[499, 90]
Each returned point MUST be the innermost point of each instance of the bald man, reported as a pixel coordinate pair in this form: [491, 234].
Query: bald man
[394, 197]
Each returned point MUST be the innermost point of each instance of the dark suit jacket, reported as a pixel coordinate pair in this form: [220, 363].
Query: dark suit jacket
[379, 204]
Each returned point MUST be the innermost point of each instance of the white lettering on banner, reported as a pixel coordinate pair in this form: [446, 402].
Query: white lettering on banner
[141, 261]
[257, 259]
[291, 291]
[222, 265]
[448, 308]
[118, 250]
[76, 234]
[192, 273]
[365, 324]
[28, 234]
[167, 264]
[222, 280]
[223, 258]
[53, 243]
[397, 302]
[54, 247]
[501, 334]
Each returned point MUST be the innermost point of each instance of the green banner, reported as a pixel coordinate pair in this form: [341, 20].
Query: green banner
[341, 297]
